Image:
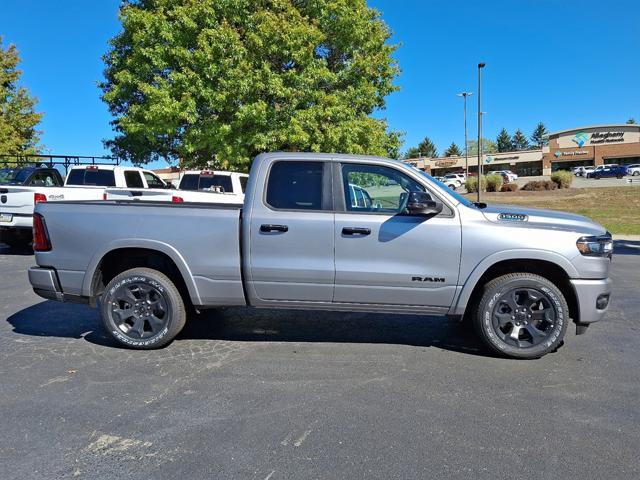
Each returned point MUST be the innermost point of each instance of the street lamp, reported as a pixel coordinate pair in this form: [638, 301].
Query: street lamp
[480, 67]
[466, 142]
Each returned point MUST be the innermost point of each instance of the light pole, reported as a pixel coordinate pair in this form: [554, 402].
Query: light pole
[480, 67]
[466, 142]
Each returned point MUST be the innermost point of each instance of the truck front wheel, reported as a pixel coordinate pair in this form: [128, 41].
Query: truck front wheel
[522, 315]
[143, 309]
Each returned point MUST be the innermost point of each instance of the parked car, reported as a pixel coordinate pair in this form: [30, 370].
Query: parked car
[302, 241]
[457, 178]
[452, 184]
[608, 171]
[508, 175]
[586, 171]
[633, 169]
[82, 183]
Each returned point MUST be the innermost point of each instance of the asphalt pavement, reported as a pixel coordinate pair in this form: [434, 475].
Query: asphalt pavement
[254, 394]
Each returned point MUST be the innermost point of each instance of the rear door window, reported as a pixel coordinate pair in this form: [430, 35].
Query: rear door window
[295, 186]
[243, 183]
[133, 179]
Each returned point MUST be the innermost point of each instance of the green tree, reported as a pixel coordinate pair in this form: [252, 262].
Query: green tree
[539, 136]
[503, 141]
[426, 148]
[453, 151]
[631, 121]
[488, 146]
[519, 141]
[224, 80]
[18, 118]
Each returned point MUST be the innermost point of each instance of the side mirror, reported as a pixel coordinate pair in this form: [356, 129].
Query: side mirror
[420, 203]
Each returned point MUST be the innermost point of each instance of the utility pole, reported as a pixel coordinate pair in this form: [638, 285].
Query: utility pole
[464, 95]
[480, 67]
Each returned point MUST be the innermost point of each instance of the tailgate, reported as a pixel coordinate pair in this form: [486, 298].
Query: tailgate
[16, 200]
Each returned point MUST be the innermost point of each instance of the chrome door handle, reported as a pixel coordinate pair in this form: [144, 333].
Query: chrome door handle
[273, 228]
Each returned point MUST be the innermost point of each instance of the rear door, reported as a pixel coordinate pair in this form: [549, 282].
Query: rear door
[291, 234]
[384, 256]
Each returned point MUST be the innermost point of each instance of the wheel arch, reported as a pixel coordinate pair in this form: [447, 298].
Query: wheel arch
[549, 265]
[123, 255]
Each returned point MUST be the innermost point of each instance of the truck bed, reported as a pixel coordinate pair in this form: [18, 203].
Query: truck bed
[202, 239]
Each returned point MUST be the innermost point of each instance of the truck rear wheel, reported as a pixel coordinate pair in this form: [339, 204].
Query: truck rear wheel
[143, 309]
[522, 315]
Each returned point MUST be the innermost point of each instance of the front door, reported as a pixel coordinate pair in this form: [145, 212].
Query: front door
[383, 255]
[292, 241]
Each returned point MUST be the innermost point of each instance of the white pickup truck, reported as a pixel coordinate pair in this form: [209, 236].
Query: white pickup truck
[196, 186]
[82, 183]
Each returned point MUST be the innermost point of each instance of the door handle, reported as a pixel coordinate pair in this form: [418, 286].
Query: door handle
[356, 231]
[273, 228]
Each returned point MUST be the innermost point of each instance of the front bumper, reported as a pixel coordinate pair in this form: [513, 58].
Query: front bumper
[593, 299]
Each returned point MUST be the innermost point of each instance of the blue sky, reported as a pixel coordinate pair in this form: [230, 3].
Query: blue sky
[567, 63]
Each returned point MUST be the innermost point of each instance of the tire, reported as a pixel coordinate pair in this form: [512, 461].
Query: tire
[528, 332]
[452, 186]
[636, 173]
[618, 176]
[142, 309]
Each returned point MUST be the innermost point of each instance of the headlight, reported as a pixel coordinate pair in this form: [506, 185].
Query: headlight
[601, 246]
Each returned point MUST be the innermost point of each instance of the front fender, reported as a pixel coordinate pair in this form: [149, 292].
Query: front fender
[462, 298]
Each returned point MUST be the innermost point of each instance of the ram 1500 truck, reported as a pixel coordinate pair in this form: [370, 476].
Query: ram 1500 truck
[304, 240]
[87, 182]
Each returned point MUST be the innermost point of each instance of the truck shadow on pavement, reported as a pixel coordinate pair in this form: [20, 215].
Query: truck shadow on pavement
[53, 319]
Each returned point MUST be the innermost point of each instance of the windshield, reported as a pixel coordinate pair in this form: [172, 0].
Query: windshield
[466, 202]
[14, 176]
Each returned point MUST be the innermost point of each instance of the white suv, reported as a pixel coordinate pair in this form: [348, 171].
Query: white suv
[633, 169]
[458, 178]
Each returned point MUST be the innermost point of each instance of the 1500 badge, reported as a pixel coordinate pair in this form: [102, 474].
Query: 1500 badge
[513, 217]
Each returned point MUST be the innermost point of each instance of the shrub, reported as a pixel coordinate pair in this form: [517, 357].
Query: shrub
[471, 184]
[494, 183]
[562, 178]
[509, 187]
[539, 185]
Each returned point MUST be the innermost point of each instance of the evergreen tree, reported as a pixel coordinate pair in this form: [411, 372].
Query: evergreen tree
[538, 137]
[488, 146]
[519, 141]
[631, 121]
[426, 148]
[453, 151]
[503, 141]
[18, 118]
[225, 80]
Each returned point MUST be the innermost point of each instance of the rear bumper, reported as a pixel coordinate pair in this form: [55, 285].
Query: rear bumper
[45, 283]
[593, 299]
[19, 220]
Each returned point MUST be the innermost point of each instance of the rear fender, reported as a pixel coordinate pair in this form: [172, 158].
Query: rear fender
[168, 250]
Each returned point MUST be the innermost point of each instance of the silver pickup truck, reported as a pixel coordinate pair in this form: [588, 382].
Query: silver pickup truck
[330, 232]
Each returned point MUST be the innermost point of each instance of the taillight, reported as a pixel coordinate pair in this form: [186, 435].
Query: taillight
[176, 199]
[104, 196]
[92, 167]
[39, 198]
[41, 241]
